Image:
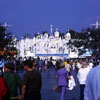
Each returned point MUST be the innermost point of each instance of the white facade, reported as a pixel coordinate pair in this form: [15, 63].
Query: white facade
[45, 44]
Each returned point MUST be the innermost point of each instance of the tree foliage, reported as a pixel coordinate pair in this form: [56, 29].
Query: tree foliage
[88, 39]
[5, 37]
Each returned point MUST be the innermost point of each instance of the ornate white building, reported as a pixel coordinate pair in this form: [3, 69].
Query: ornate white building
[46, 46]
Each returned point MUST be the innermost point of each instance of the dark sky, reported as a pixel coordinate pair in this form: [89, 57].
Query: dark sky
[32, 16]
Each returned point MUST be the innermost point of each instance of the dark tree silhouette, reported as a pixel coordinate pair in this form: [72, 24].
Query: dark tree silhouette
[5, 38]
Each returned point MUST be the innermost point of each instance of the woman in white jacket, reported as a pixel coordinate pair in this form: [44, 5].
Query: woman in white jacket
[82, 75]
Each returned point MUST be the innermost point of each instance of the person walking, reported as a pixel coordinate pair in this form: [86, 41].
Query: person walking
[82, 75]
[12, 82]
[62, 76]
[68, 67]
[31, 83]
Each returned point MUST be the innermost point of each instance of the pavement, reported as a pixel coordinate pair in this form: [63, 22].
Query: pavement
[49, 81]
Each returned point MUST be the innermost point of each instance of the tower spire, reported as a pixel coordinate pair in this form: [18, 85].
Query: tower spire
[56, 29]
[68, 30]
[51, 30]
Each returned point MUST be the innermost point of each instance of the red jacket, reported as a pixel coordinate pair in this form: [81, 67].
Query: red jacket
[3, 88]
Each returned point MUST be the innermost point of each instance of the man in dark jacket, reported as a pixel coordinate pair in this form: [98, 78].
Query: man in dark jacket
[31, 84]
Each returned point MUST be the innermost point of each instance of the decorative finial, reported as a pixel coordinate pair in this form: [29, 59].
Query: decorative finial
[51, 29]
[38, 33]
[22, 37]
[68, 30]
[56, 29]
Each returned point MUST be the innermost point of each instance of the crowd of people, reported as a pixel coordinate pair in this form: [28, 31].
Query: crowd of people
[88, 76]
[29, 86]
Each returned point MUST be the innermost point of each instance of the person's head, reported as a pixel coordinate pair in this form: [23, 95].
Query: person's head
[28, 64]
[84, 64]
[34, 66]
[8, 67]
[68, 61]
[62, 65]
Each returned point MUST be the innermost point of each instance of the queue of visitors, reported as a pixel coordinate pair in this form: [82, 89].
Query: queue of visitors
[29, 86]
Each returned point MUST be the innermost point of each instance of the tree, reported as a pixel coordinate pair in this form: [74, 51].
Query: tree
[6, 43]
[89, 39]
[5, 37]
[95, 43]
[74, 34]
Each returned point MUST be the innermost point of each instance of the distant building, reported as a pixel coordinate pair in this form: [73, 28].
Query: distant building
[46, 46]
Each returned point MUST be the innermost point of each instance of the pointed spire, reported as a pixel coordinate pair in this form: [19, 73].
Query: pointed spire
[22, 37]
[51, 30]
[38, 33]
[68, 30]
[57, 29]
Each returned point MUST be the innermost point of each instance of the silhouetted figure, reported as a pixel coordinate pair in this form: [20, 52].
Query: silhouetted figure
[31, 84]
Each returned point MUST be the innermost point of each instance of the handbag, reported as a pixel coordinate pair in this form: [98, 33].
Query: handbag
[71, 83]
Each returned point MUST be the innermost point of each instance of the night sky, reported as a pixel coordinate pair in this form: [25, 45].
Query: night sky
[33, 16]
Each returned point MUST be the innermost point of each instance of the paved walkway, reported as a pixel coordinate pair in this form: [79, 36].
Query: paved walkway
[49, 81]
